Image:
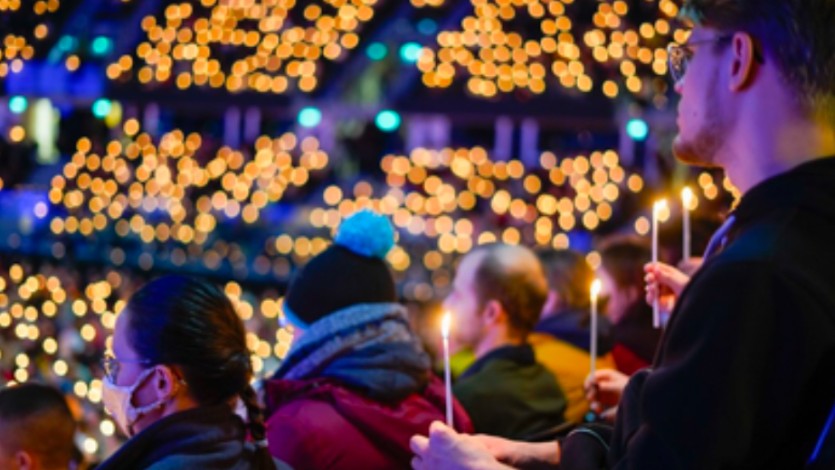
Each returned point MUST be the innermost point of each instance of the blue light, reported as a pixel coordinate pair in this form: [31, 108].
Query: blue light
[101, 46]
[637, 129]
[427, 26]
[376, 51]
[310, 117]
[410, 52]
[387, 120]
[18, 104]
[101, 108]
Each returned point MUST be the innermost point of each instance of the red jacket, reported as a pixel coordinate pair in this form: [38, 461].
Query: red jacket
[320, 424]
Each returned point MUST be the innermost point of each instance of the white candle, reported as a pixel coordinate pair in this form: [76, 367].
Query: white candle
[656, 210]
[686, 200]
[595, 292]
[445, 322]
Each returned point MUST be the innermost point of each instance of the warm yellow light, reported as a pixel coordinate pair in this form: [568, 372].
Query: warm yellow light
[687, 198]
[596, 286]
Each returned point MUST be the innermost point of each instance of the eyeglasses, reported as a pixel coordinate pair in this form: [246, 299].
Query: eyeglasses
[679, 55]
[110, 364]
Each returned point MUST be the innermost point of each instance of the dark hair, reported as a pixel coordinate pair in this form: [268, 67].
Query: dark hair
[569, 275]
[520, 290]
[624, 257]
[192, 324]
[797, 34]
[36, 418]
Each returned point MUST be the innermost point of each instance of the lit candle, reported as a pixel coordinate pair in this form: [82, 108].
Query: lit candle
[686, 200]
[656, 211]
[445, 322]
[595, 291]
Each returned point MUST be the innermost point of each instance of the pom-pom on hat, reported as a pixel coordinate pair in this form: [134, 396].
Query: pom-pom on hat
[349, 272]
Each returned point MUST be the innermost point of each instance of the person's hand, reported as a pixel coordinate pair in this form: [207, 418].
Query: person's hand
[691, 265]
[444, 449]
[664, 283]
[603, 392]
[521, 454]
[606, 381]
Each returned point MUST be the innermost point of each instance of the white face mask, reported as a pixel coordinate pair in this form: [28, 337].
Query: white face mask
[117, 401]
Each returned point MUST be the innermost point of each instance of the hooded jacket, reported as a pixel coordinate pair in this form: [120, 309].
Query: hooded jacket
[353, 392]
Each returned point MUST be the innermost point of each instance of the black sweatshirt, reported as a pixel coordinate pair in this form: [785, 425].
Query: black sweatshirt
[745, 375]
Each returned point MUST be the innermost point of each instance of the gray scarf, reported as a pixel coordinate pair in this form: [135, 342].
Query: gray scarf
[370, 347]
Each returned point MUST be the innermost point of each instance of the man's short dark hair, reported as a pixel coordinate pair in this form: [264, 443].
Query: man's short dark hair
[520, 291]
[798, 34]
[35, 418]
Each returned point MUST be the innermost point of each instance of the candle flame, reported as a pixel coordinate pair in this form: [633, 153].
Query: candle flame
[596, 286]
[445, 323]
[659, 205]
[686, 197]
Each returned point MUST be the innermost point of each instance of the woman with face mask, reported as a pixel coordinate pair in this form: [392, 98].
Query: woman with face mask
[178, 368]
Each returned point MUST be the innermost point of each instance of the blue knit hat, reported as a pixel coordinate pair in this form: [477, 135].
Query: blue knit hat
[349, 272]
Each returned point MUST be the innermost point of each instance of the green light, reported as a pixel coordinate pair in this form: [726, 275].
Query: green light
[101, 46]
[376, 51]
[637, 129]
[310, 117]
[387, 120]
[18, 104]
[101, 108]
[410, 52]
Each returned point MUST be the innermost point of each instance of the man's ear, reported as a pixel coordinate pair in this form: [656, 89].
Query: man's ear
[551, 303]
[743, 65]
[24, 460]
[493, 312]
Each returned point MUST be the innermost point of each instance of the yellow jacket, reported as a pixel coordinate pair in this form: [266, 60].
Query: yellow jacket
[570, 365]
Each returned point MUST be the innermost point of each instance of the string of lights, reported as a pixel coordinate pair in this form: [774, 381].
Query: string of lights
[508, 45]
[271, 46]
[26, 26]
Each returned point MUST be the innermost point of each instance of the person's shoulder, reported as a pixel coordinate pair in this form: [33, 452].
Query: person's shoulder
[177, 462]
[297, 429]
[302, 411]
[470, 386]
[492, 377]
[781, 236]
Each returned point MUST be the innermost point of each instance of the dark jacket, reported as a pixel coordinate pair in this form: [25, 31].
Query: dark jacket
[324, 424]
[507, 393]
[635, 339]
[745, 375]
[208, 438]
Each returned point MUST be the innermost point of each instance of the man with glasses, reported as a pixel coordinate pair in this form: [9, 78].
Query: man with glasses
[745, 375]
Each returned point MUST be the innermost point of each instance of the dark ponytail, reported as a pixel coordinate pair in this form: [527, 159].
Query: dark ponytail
[192, 324]
[257, 428]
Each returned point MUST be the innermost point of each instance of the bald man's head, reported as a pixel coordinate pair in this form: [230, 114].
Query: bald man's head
[513, 276]
[36, 428]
